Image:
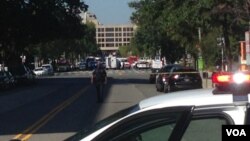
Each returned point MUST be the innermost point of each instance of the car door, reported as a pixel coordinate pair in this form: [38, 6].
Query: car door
[170, 124]
[206, 124]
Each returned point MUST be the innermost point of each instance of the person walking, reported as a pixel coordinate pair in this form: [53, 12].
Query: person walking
[99, 79]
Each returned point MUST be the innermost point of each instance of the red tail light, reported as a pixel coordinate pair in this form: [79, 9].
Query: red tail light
[221, 77]
[228, 77]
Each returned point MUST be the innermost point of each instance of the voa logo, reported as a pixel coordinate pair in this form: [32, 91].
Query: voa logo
[236, 132]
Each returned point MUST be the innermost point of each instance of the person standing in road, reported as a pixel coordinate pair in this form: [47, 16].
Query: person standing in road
[99, 79]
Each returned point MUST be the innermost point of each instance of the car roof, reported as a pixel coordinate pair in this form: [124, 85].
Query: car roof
[197, 97]
[46, 65]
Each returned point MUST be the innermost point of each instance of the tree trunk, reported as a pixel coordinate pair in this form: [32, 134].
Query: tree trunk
[228, 52]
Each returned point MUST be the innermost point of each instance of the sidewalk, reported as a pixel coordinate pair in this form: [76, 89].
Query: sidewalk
[207, 83]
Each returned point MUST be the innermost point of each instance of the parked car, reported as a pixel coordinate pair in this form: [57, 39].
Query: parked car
[178, 79]
[6, 80]
[127, 65]
[193, 115]
[142, 65]
[82, 66]
[41, 71]
[22, 74]
[49, 68]
[63, 67]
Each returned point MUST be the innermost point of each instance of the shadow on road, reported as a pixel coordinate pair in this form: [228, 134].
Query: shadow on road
[48, 93]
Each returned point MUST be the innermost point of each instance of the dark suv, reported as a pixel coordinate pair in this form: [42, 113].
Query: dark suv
[173, 77]
[22, 74]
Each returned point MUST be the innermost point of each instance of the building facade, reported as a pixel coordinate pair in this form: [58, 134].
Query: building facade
[111, 37]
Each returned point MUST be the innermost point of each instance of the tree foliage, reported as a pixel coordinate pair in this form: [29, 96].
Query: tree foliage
[42, 25]
[172, 26]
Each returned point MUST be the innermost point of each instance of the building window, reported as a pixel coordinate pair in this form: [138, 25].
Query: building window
[110, 40]
[109, 29]
[109, 45]
[100, 35]
[109, 34]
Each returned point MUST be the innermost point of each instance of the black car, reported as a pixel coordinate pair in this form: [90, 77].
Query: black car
[165, 69]
[178, 78]
[22, 74]
[6, 80]
[153, 74]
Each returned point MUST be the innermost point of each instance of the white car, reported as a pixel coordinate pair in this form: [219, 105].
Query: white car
[40, 71]
[49, 67]
[193, 115]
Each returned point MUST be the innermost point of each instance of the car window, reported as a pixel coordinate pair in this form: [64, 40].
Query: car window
[148, 129]
[204, 130]
[167, 69]
[148, 126]
[161, 132]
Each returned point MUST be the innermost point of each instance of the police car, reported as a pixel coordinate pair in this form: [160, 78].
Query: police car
[193, 115]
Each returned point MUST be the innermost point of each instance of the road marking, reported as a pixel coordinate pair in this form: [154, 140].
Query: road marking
[26, 134]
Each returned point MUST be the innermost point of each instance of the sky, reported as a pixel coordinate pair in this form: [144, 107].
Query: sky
[110, 11]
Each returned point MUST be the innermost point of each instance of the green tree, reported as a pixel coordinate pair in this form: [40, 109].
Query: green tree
[173, 25]
[25, 22]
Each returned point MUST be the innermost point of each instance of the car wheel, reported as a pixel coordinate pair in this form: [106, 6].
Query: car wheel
[167, 89]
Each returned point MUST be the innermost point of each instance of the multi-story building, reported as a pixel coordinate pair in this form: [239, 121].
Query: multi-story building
[111, 37]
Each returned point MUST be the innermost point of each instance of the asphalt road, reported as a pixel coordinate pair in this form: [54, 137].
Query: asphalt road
[57, 107]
